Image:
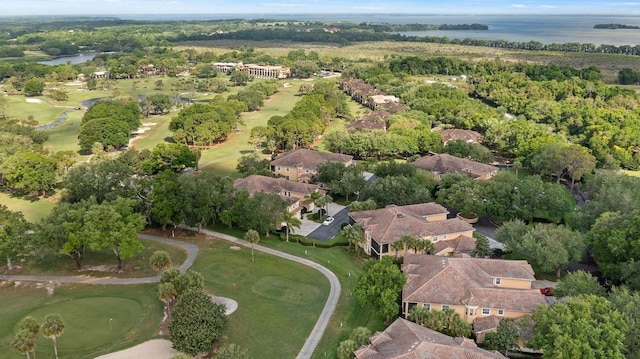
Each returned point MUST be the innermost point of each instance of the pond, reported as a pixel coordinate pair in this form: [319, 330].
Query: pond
[73, 60]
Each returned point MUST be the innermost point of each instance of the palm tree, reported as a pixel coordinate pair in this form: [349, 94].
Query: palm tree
[31, 326]
[516, 166]
[396, 246]
[418, 314]
[160, 260]
[252, 236]
[353, 234]
[52, 328]
[323, 202]
[407, 242]
[426, 246]
[24, 342]
[290, 221]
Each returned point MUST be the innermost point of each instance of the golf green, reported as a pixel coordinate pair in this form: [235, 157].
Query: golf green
[92, 321]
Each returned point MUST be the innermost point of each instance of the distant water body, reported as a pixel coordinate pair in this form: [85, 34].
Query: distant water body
[521, 28]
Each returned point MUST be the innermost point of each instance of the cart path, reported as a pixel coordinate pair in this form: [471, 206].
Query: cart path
[192, 252]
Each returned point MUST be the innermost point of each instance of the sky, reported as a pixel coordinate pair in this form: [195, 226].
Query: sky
[414, 7]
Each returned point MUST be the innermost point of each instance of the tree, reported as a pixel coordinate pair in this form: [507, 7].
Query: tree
[586, 326]
[160, 260]
[33, 87]
[579, 162]
[52, 328]
[104, 180]
[628, 303]
[196, 323]
[238, 78]
[353, 234]
[232, 351]
[14, 236]
[31, 172]
[323, 203]
[360, 335]
[505, 338]
[24, 343]
[517, 165]
[252, 164]
[578, 282]
[510, 233]
[252, 237]
[553, 247]
[346, 348]
[304, 68]
[114, 225]
[397, 246]
[418, 314]
[380, 286]
[482, 248]
[289, 221]
[173, 156]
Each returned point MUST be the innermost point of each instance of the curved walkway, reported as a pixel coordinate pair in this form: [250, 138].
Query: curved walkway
[332, 301]
[192, 252]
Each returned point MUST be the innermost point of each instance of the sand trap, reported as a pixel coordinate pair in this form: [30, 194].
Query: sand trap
[146, 124]
[141, 130]
[156, 349]
[34, 100]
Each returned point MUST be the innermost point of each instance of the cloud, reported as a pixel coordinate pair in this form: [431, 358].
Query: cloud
[519, 6]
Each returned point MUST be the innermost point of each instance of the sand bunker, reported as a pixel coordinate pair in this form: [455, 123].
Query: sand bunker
[34, 100]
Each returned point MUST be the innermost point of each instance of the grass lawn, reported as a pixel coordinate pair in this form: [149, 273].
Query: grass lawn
[33, 210]
[135, 314]
[349, 313]
[279, 301]
[224, 157]
[103, 263]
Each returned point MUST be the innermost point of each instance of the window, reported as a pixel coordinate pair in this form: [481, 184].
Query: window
[444, 238]
[426, 306]
[444, 306]
[500, 311]
[497, 281]
[486, 311]
[435, 239]
[306, 170]
[471, 311]
[278, 168]
[286, 169]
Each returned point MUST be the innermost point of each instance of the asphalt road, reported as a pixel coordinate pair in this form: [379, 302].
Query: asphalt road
[325, 233]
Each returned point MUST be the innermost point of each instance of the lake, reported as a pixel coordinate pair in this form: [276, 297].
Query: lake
[73, 60]
[522, 28]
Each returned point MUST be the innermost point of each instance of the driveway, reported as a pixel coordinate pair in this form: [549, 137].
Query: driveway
[306, 227]
[325, 233]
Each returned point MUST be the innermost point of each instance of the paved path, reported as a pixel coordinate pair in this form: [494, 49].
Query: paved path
[192, 251]
[334, 294]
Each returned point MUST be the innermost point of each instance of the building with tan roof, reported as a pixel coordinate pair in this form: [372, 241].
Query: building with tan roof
[475, 288]
[454, 134]
[301, 165]
[425, 221]
[445, 163]
[407, 340]
[294, 193]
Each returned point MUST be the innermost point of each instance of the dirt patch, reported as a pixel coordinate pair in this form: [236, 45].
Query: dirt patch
[176, 233]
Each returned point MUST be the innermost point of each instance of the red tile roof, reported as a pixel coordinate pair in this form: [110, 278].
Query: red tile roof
[406, 340]
[459, 134]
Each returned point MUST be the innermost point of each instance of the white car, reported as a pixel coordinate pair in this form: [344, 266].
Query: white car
[328, 221]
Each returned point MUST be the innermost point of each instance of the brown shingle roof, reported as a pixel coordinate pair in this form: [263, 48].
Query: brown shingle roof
[458, 281]
[444, 163]
[482, 324]
[459, 134]
[459, 244]
[412, 341]
[257, 183]
[389, 224]
[305, 158]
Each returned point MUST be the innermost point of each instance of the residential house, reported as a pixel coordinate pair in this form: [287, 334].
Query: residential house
[476, 288]
[301, 165]
[459, 134]
[374, 121]
[407, 340]
[294, 193]
[425, 221]
[445, 163]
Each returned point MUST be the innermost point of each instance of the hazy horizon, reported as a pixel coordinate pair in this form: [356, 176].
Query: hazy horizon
[12, 8]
